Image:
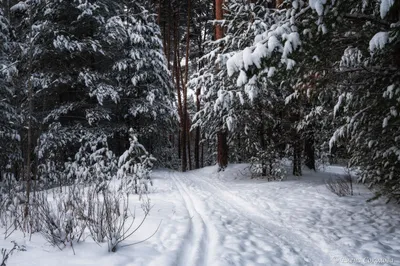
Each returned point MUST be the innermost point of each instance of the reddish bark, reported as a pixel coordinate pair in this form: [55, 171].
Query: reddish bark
[219, 15]
[222, 146]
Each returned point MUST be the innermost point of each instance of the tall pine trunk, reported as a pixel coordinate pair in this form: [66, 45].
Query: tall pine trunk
[222, 135]
[197, 136]
[178, 77]
[219, 15]
[185, 109]
[28, 175]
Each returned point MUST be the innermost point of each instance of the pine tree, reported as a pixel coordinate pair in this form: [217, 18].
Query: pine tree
[142, 75]
[90, 72]
[367, 100]
[134, 167]
[9, 118]
[354, 80]
[239, 103]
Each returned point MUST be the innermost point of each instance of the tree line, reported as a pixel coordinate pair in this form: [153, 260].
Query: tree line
[200, 82]
[85, 93]
[313, 81]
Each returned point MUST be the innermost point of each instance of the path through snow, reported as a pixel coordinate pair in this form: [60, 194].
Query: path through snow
[226, 219]
[241, 234]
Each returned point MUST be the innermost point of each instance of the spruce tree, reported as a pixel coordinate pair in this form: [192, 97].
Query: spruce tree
[142, 76]
[348, 88]
[9, 118]
[91, 76]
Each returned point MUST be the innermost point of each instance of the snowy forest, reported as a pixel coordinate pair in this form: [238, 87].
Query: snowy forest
[107, 108]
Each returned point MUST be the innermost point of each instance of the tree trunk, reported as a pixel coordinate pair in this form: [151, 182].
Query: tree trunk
[309, 151]
[198, 129]
[279, 3]
[197, 149]
[239, 148]
[222, 135]
[188, 143]
[179, 145]
[197, 137]
[180, 107]
[297, 158]
[28, 175]
[159, 14]
[202, 155]
[219, 15]
[184, 85]
[263, 146]
[222, 153]
[168, 48]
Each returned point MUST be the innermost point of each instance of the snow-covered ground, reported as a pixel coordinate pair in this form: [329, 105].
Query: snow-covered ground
[210, 218]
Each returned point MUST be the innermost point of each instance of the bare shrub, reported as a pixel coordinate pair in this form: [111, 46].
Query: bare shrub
[7, 253]
[63, 219]
[273, 170]
[59, 224]
[12, 207]
[341, 185]
[107, 216]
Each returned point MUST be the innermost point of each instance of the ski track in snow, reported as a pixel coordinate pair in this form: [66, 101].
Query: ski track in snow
[248, 237]
[196, 247]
